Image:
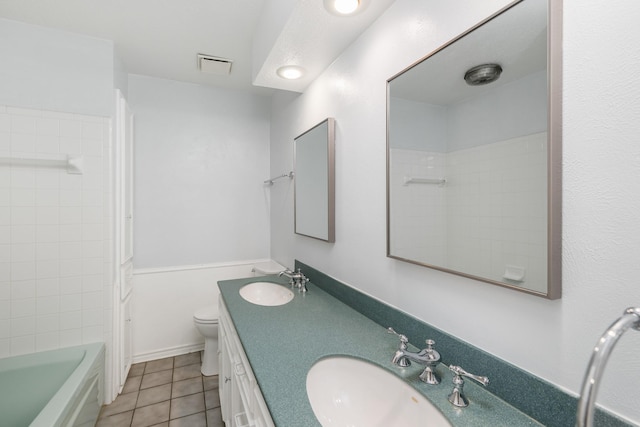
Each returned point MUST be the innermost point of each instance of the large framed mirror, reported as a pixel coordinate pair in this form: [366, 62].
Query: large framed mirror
[314, 204]
[474, 153]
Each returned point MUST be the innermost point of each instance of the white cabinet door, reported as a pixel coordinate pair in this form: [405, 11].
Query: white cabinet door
[241, 401]
[127, 353]
[125, 160]
[224, 379]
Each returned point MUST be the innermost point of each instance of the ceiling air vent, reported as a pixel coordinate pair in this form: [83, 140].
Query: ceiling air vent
[214, 65]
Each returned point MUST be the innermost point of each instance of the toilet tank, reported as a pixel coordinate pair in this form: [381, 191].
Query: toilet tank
[266, 268]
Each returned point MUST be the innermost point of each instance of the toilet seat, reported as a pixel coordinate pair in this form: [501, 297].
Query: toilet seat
[206, 315]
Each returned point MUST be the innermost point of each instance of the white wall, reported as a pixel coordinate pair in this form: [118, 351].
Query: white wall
[201, 156]
[55, 70]
[601, 235]
[55, 275]
[164, 301]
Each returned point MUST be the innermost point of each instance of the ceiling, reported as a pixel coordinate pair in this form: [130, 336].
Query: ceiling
[161, 38]
[515, 39]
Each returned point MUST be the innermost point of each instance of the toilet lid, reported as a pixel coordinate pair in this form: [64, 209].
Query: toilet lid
[207, 314]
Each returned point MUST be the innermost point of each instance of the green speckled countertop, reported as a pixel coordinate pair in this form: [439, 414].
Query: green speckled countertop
[283, 342]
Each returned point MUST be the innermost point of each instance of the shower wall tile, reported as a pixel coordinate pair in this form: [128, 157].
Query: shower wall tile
[4, 347]
[477, 219]
[22, 345]
[5, 196]
[47, 341]
[55, 254]
[5, 327]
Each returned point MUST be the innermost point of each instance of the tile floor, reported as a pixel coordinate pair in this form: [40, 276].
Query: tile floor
[168, 392]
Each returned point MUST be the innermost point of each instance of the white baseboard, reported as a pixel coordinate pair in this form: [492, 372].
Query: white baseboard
[168, 352]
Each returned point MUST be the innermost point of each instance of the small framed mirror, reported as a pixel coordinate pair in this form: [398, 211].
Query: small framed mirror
[314, 204]
[474, 153]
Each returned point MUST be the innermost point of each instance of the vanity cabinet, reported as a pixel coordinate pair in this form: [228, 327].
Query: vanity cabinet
[241, 401]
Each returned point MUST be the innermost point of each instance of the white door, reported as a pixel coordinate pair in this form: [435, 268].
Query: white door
[124, 234]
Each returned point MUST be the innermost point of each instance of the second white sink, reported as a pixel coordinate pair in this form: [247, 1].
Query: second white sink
[266, 293]
[348, 392]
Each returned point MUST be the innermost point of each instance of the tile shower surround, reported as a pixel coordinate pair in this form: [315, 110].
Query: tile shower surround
[54, 233]
[535, 397]
[480, 216]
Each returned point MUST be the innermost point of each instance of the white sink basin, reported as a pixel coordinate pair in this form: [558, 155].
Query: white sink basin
[347, 392]
[266, 293]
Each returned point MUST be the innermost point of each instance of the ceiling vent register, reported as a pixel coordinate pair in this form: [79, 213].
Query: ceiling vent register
[214, 65]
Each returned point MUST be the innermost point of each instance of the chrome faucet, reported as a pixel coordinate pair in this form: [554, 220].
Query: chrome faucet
[297, 279]
[457, 397]
[630, 320]
[428, 357]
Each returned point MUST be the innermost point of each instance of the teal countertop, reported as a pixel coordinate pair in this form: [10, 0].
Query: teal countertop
[282, 343]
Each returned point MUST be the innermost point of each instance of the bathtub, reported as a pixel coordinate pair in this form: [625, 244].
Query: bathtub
[53, 388]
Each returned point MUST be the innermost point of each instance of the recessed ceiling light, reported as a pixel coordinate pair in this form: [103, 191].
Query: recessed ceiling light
[290, 72]
[341, 7]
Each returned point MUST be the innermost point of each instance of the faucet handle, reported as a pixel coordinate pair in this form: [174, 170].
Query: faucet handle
[403, 338]
[459, 372]
[400, 358]
[457, 397]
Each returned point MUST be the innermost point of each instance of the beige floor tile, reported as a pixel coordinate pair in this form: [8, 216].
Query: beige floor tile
[195, 420]
[187, 405]
[117, 420]
[184, 372]
[159, 365]
[212, 399]
[186, 359]
[210, 382]
[123, 403]
[152, 395]
[132, 384]
[186, 387]
[214, 418]
[151, 407]
[137, 369]
[150, 415]
[156, 379]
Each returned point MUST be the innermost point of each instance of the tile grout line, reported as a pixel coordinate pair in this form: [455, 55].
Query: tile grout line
[201, 381]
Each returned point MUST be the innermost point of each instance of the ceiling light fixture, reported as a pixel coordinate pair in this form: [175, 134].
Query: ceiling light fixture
[341, 7]
[290, 72]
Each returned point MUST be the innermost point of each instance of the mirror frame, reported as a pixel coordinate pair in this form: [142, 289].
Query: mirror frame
[331, 192]
[554, 153]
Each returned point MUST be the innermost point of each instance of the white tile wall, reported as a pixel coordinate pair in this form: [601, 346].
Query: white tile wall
[55, 260]
[489, 222]
[418, 214]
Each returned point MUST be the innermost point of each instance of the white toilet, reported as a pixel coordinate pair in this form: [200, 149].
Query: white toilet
[206, 321]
